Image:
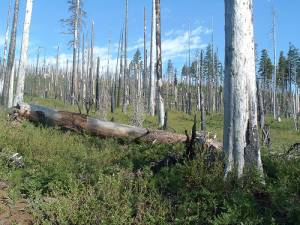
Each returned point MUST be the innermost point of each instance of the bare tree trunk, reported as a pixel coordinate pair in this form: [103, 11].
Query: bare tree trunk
[160, 100]
[121, 69]
[202, 104]
[5, 49]
[82, 75]
[115, 91]
[295, 114]
[75, 44]
[261, 112]
[189, 83]
[34, 88]
[275, 67]
[126, 79]
[240, 117]
[217, 74]
[175, 90]
[212, 101]
[11, 57]
[86, 83]
[11, 87]
[23, 57]
[66, 89]
[297, 106]
[91, 68]
[145, 56]
[56, 75]
[98, 85]
[152, 63]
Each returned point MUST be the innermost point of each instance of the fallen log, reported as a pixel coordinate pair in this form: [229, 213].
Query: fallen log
[80, 123]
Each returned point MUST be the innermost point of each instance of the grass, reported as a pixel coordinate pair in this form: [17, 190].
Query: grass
[73, 178]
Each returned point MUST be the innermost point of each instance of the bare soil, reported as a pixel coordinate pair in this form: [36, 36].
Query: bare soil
[13, 212]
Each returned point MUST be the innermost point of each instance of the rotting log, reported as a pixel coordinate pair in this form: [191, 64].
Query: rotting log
[80, 123]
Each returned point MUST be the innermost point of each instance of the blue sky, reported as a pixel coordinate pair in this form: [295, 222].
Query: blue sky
[46, 30]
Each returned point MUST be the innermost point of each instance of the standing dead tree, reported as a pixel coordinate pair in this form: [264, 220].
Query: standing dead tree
[274, 78]
[201, 103]
[159, 83]
[89, 98]
[145, 73]
[98, 84]
[3, 71]
[23, 58]
[152, 90]
[241, 141]
[74, 23]
[126, 78]
[9, 72]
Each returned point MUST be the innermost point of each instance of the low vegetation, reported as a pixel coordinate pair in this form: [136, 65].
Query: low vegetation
[73, 178]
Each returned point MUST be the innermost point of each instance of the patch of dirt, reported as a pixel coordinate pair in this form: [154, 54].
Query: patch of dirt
[13, 212]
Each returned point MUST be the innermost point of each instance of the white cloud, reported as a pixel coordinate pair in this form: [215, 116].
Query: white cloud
[176, 43]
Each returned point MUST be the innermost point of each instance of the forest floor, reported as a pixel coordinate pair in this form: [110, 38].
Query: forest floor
[71, 178]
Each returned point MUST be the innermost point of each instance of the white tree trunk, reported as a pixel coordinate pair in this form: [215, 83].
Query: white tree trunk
[159, 83]
[91, 69]
[11, 88]
[11, 57]
[6, 34]
[240, 86]
[294, 101]
[126, 70]
[23, 57]
[152, 63]
[5, 48]
[75, 46]
[253, 155]
[198, 82]
[275, 67]
[145, 78]
[297, 100]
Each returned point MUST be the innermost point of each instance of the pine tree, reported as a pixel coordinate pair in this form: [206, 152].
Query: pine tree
[282, 78]
[265, 66]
